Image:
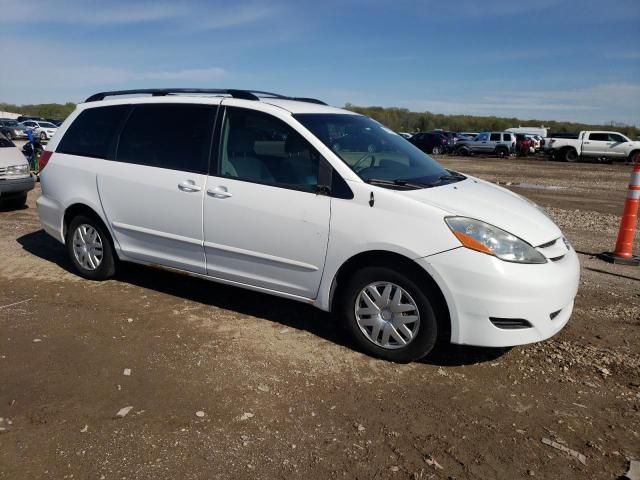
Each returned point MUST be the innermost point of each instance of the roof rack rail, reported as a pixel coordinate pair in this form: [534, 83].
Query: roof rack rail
[161, 92]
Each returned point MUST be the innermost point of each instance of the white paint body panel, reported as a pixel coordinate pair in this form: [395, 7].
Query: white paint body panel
[151, 218]
[266, 236]
[292, 244]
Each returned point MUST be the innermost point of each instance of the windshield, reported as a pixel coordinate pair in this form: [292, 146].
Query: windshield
[374, 152]
[10, 123]
[47, 125]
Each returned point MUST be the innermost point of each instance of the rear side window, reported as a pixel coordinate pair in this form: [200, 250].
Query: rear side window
[92, 133]
[507, 137]
[600, 137]
[495, 137]
[177, 137]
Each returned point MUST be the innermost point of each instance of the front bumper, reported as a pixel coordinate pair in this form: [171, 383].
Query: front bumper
[479, 287]
[11, 186]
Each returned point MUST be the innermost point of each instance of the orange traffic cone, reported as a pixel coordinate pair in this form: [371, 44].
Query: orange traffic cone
[623, 253]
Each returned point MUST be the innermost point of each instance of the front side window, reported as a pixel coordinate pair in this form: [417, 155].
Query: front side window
[47, 125]
[372, 151]
[614, 137]
[482, 137]
[92, 133]
[257, 147]
[175, 136]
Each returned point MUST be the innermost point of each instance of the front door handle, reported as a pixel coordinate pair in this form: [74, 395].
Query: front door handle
[585, 143]
[219, 192]
[189, 186]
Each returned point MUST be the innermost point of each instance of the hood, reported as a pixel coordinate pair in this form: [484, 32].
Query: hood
[492, 204]
[11, 156]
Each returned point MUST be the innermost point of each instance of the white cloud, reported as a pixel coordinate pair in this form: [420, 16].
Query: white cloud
[598, 104]
[225, 18]
[87, 13]
[110, 13]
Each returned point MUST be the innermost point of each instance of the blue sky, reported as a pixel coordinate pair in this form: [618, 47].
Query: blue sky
[546, 59]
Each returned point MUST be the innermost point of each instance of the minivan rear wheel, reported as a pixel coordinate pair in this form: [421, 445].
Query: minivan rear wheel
[389, 315]
[89, 247]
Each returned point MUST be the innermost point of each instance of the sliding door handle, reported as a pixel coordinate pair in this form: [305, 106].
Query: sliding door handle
[189, 186]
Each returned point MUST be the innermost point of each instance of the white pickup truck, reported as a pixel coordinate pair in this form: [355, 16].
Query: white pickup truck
[596, 145]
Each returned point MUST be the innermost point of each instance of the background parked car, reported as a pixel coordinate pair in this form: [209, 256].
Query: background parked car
[430, 142]
[44, 130]
[501, 144]
[452, 138]
[12, 129]
[471, 135]
[23, 118]
[15, 178]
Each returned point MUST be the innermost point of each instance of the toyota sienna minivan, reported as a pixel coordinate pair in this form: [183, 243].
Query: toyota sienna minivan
[295, 198]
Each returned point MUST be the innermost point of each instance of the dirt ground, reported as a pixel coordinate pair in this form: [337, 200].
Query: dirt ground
[227, 383]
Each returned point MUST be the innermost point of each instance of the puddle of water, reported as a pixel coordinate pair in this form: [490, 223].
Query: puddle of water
[532, 186]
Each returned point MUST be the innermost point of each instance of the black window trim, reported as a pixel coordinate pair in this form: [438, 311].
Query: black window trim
[325, 169]
[110, 144]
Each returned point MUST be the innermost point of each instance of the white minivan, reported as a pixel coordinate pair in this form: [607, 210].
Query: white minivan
[298, 199]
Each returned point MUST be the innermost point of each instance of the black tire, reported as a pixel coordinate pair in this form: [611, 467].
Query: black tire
[424, 338]
[107, 266]
[634, 156]
[463, 151]
[15, 202]
[436, 150]
[570, 155]
[502, 152]
[43, 136]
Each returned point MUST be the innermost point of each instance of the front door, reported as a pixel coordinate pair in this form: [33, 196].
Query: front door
[152, 193]
[265, 225]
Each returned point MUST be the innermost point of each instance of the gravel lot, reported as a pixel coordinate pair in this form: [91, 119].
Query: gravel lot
[226, 383]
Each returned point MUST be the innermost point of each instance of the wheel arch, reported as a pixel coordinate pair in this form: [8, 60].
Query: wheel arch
[401, 263]
[76, 209]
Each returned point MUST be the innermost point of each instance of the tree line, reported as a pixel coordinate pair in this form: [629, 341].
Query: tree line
[403, 120]
[398, 119]
[44, 110]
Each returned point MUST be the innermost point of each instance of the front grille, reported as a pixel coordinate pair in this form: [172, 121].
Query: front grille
[510, 323]
[548, 244]
[554, 314]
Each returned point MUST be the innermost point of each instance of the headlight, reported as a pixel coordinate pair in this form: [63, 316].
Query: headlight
[491, 240]
[17, 170]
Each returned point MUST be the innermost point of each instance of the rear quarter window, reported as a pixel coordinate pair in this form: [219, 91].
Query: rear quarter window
[599, 137]
[92, 134]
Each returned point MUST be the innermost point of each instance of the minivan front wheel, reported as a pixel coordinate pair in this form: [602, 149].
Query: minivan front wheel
[89, 248]
[389, 315]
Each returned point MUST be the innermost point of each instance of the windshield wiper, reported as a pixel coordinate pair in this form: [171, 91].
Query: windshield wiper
[448, 178]
[395, 183]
